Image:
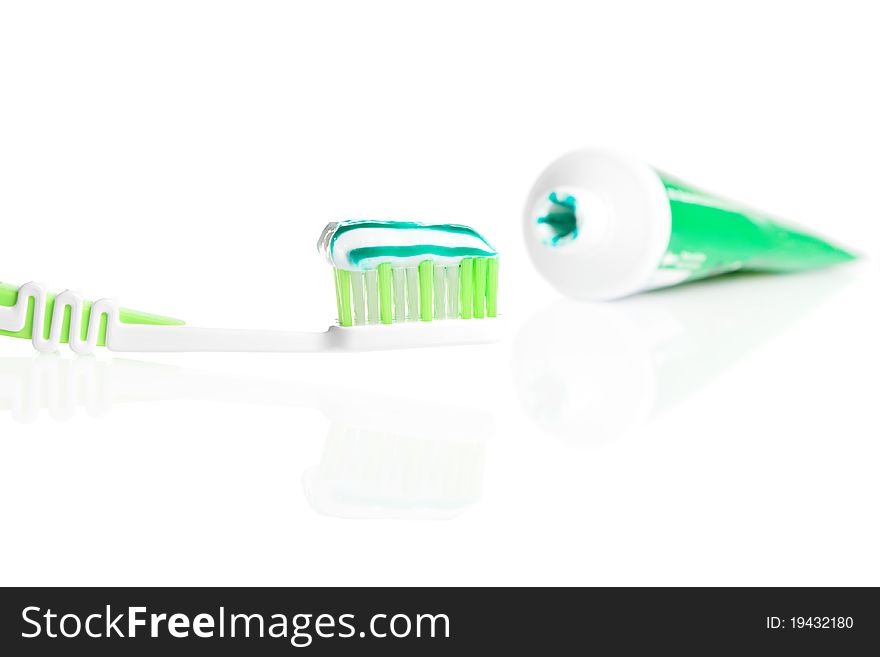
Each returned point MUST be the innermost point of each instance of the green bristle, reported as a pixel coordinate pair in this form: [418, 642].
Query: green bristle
[371, 293]
[338, 294]
[398, 278]
[439, 292]
[480, 287]
[492, 288]
[412, 294]
[358, 297]
[426, 290]
[466, 287]
[384, 293]
[343, 296]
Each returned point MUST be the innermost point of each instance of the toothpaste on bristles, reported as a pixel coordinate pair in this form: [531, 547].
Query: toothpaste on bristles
[402, 271]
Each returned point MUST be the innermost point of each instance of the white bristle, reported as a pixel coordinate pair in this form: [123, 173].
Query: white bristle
[452, 291]
[439, 292]
[357, 298]
[372, 284]
[398, 282]
[412, 294]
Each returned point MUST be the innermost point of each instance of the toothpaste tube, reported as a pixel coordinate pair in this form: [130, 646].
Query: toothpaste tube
[600, 225]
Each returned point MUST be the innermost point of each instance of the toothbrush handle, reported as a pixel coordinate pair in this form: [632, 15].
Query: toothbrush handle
[130, 337]
[136, 338]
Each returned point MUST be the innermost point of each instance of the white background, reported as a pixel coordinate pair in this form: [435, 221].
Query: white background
[183, 158]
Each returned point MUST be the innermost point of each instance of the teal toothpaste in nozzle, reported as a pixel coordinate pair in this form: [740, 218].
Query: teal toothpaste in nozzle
[600, 225]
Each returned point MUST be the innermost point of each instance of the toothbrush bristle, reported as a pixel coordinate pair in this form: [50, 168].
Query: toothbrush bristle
[430, 291]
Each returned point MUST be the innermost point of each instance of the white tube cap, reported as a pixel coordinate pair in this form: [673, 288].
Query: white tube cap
[619, 231]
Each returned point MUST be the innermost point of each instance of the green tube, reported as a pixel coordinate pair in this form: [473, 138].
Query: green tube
[602, 226]
[727, 236]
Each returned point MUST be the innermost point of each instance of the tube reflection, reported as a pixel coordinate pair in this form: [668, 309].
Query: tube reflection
[591, 372]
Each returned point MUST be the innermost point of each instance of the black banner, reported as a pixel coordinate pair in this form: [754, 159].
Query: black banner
[123, 621]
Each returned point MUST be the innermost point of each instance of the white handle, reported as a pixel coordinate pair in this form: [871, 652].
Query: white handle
[14, 319]
[130, 337]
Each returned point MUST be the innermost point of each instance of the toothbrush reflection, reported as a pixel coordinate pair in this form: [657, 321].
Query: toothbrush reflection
[592, 372]
[367, 471]
[382, 458]
[387, 458]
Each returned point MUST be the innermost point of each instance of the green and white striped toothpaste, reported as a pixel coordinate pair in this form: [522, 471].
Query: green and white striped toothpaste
[397, 271]
[599, 225]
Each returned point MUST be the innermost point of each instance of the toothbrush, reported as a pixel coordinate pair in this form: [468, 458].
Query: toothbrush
[392, 281]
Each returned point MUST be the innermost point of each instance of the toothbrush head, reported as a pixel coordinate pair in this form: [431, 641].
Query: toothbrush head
[388, 272]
